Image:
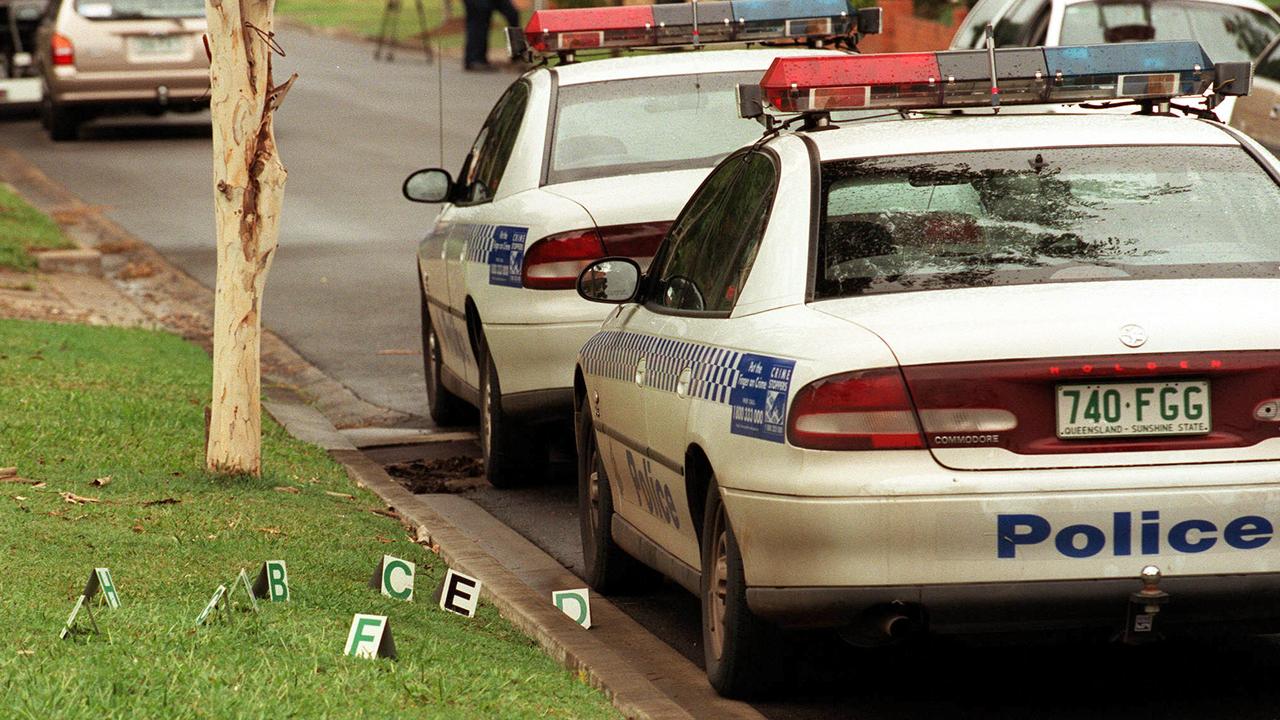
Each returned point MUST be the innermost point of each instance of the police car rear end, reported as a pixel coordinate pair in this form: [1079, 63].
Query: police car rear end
[1030, 365]
[578, 161]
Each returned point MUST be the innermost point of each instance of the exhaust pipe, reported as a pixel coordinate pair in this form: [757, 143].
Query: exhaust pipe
[883, 625]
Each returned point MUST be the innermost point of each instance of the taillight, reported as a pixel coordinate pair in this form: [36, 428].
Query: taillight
[64, 53]
[865, 410]
[638, 241]
[553, 263]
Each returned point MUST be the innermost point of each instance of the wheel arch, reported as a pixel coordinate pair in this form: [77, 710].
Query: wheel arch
[475, 330]
[697, 478]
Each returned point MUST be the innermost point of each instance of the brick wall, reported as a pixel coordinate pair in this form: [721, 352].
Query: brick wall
[905, 32]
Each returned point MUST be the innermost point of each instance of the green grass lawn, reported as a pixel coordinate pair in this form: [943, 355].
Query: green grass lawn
[22, 229]
[364, 17]
[80, 403]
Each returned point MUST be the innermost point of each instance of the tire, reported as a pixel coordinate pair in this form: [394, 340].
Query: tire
[745, 656]
[62, 122]
[446, 409]
[608, 569]
[506, 446]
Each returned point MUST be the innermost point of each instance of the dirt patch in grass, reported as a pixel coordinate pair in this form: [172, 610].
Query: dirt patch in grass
[447, 475]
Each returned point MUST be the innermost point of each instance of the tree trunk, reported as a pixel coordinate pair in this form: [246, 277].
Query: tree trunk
[248, 193]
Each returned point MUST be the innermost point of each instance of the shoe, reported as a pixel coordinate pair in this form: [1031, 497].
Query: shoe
[479, 67]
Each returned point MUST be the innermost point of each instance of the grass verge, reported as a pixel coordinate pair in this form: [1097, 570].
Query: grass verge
[364, 18]
[83, 403]
[24, 229]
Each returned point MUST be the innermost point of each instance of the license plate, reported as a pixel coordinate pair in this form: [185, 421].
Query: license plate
[1139, 409]
[158, 46]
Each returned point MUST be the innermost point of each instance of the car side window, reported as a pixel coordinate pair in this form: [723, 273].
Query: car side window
[1269, 67]
[711, 247]
[1018, 25]
[482, 172]
[973, 30]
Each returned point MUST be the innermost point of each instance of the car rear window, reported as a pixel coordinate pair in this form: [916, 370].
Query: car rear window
[139, 9]
[1227, 33]
[625, 127]
[1009, 217]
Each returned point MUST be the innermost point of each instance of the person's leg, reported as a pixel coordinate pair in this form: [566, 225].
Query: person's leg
[508, 12]
[477, 39]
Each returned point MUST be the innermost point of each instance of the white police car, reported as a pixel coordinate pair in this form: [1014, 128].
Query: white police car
[578, 162]
[957, 373]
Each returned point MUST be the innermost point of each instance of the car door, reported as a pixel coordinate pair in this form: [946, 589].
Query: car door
[471, 225]
[692, 289]
[1258, 113]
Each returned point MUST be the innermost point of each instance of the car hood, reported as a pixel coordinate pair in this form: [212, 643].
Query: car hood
[633, 198]
[1068, 319]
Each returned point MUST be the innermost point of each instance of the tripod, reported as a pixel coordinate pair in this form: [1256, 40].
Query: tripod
[391, 23]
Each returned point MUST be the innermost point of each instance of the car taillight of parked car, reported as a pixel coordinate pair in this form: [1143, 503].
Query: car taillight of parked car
[553, 263]
[64, 53]
[864, 410]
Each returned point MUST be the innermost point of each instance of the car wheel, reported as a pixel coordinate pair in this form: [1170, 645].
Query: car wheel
[744, 654]
[505, 445]
[63, 122]
[445, 408]
[608, 568]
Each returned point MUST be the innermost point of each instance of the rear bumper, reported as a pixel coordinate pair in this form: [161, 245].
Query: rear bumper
[535, 366]
[130, 87]
[1008, 550]
[1002, 607]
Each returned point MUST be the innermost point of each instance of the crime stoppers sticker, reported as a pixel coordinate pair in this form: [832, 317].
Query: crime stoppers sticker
[506, 256]
[759, 397]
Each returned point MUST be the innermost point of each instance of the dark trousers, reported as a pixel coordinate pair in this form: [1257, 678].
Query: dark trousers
[478, 14]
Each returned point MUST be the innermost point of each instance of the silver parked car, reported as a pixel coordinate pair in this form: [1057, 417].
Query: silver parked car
[101, 57]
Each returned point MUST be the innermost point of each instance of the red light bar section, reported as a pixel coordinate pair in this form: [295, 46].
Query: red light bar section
[556, 30]
[898, 80]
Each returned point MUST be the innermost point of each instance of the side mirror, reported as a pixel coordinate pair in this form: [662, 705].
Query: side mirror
[428, 186]
[611, 280]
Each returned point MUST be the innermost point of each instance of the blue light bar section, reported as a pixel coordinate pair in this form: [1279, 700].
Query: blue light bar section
[750, 10]
[1125, 58]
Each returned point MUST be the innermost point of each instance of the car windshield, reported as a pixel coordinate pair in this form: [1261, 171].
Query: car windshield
[625, 127]
[137, 9]
[1227, 33]
[977, 219]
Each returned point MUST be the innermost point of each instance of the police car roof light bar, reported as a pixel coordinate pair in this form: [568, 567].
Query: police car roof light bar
[1155, 71]
[817, 22]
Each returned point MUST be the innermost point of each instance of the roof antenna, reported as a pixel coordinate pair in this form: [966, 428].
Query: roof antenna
[440, 101]
[991, 61]
[696, 38]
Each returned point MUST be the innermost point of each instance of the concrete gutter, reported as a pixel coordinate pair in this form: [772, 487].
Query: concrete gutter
[644, 677]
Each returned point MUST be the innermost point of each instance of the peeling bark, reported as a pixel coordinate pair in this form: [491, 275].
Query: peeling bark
[248, 186]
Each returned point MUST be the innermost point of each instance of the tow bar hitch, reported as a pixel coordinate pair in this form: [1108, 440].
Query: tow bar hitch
[1144, 608]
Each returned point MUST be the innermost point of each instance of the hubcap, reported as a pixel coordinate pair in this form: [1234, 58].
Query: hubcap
[719, 586]
[593, 496]
[433, 356]
[486, 420]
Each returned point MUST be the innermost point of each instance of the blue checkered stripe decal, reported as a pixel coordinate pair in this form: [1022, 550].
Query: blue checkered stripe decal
[614, 354]
[479, 242]
[755, 386]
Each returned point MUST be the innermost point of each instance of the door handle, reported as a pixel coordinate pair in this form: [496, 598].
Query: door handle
[683, 382]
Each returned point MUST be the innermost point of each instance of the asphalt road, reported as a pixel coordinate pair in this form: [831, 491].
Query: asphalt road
[342, 289]
[342, 292]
